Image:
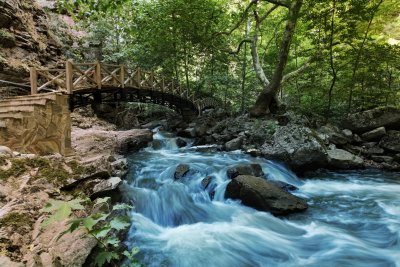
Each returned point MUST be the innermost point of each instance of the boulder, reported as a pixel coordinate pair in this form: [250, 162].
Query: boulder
[342, 159]
[234, 144]
[245, 169]
[181, 171]
[262, 195]
[206, 182]
[347, 133]
[297, 146]
[284, 186]
[333, 135]
[107, 187]
[391, 141]
[397, 157]
[7, 262]
[374, 134]
[372, 119]
[180, 142]
[188, 133]
[380, 159]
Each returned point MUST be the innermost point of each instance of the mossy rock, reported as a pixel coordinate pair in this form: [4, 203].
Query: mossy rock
[16, 219]
[7, 39]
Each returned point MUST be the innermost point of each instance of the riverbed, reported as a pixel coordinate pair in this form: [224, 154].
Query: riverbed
[353, 217]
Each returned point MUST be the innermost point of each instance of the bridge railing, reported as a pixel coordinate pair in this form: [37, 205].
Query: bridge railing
[81, 76]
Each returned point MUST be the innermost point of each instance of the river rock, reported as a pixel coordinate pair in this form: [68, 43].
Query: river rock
[297, 146]
[342, 159]
[371, 119]
[180, 142]
[391, 141]
[380, 159]
[374, 134]
[284, 186]
[181, 171]
[332, 134]
[262, 195]
[206, 182]
[234, 144]
[245, 169]
[107, 187]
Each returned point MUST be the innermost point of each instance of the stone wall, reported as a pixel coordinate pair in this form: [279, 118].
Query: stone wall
[39, 124]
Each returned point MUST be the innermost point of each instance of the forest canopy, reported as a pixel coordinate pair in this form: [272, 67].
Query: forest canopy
[327, 57]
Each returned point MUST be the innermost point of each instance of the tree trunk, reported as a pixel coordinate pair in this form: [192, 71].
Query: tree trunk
[268, 96]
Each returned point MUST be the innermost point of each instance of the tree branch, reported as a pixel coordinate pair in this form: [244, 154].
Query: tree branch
[285, 3]
[237, 51]
[298, 71]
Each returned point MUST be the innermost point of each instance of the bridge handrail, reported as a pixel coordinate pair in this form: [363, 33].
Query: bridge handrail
[79, 76]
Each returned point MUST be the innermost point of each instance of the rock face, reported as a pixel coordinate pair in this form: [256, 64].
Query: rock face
[264, 196]
[341, 159]
[26, 38]
[372, 119]
[297, 146]
[36, 124]
[245, 169]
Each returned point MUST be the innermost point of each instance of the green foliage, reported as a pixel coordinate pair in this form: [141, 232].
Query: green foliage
[100, 226]
[192, 42]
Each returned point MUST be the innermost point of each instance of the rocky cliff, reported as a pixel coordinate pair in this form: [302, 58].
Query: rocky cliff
[28, 36]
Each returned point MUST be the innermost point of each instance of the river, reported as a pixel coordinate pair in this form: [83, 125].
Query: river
[353, 217]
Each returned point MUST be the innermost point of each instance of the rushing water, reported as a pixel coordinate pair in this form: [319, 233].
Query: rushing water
[353, 217]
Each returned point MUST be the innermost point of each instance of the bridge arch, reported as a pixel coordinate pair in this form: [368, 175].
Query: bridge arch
[92, 83]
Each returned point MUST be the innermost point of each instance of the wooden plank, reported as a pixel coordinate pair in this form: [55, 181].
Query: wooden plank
[33, 80]
[97, 75]
[69, 72]
[122, 75]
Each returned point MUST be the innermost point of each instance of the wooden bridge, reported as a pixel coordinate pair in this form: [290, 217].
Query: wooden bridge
[88, 83]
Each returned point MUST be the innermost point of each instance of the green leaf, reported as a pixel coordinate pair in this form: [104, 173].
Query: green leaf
[122, 206]
[89, 222]
[102, 232]
[104, 257]
[120, 223]
[102, 200]
[112, 241]
[62, 213]
[75, 204]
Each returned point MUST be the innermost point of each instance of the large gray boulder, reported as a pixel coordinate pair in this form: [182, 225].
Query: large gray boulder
[234, 144]
[372, 119]
[262, 195]
[391, 141]
[342, 159]
[245, 169]
[374, 134]
[332, 134]
[297, 146]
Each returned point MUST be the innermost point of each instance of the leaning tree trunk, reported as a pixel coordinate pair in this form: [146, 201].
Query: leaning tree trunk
[268, 96]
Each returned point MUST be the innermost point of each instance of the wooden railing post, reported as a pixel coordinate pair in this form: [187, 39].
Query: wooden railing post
[152, 79]
[122, 76]
[33, 80]
[97, 75]
[137, 77]
[69, 73]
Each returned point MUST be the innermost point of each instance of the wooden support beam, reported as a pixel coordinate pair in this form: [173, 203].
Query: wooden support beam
[69, 73]
[122, 76]
[97, 75]
[33, 80]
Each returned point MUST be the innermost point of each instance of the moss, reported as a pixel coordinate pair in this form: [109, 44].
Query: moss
[7, 39]
[17, 168]
[16, 219]
[77, 168]
[3, 161]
